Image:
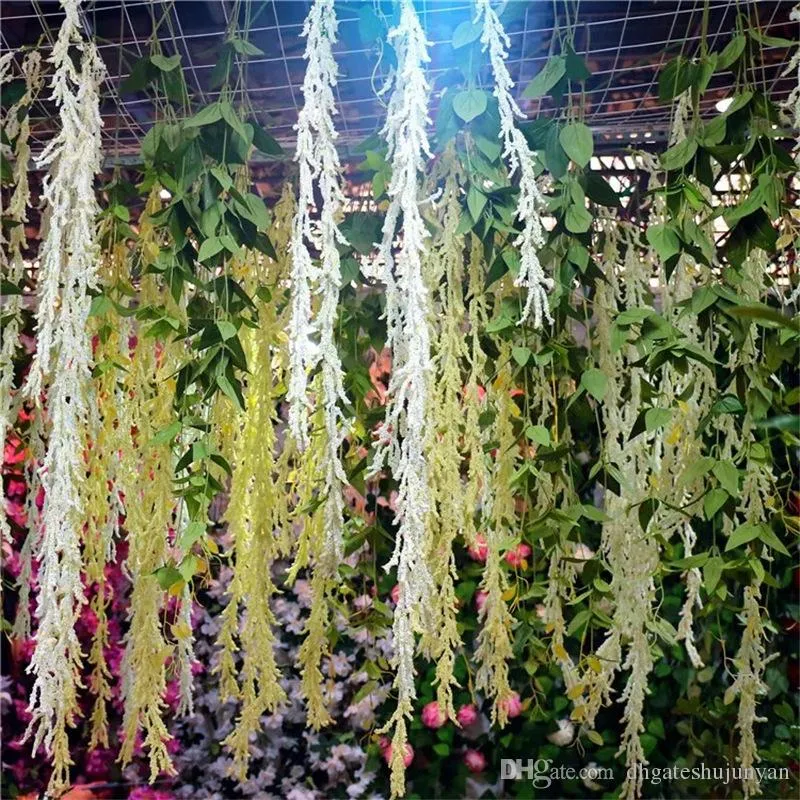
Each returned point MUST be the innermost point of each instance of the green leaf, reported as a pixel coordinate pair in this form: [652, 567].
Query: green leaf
[729, 404]
[632, 316]
[599, 191]
[712, 572]
[766, 314]
[575, 66]
[713, 502]
[554, 155]
[245, 48]
[664, 240]
[476, 202]
[576, 139]
[140, 76]
[728, 476]
[675, 79]
[553, 71]
[594, 737]
[167, 577]
[227, 330]
[209, 248]
[655, 418]
[538, 434]
[165, 64]
[222, 177]
[770, 41]
[194, 531]
[731, 52]
[466, 33]
[595, 382]
[593, 513]
[499, 324]
[489, 147]
[187, 567]
[521, 355]
[577, 219]
[230, 391]
[578, 255]
[698, 468]
[703, 298]
[100, 305]
[264, 142]
[441, 749]
[743, 534]
[770, 539]
[470, 104]
[679, 155]
[167, 434]
[258, 211]
[206, 116]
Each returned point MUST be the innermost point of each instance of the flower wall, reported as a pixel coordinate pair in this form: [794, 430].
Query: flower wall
[311, 498]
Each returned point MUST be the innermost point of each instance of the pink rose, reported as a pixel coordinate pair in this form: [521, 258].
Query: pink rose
[432, 716]
[479, 550]
[515, 557]
[480, 598]
[386, 747]
[475, 761]
[395, 593]
[512, 705]
[467, 715]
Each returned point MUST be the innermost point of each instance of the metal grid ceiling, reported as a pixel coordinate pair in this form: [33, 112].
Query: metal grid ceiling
[624, 41]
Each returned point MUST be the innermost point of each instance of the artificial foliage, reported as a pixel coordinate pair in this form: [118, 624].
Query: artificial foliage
[508, 444]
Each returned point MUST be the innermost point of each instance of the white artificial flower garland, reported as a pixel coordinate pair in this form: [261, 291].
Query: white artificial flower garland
[68, 270]
[317, 158]
[402, 435]
[519, 158]
[12, 262]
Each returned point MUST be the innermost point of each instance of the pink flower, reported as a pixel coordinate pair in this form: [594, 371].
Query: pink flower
[475, 761]
[432, 716]
[467, 715]
[479, 550]
[148, 793]
[515, 557]
[386, 747]
[512, 705]
[480, 598]
[395, 593]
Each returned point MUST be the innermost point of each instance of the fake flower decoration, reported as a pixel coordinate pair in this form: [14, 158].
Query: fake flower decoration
[402, 438]
[301, 491]
[62, 368]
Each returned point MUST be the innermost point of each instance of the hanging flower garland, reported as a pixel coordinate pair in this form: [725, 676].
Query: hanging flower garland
[68, 270]
[318, 161]
[455, 437]
[520, 159]
[403, 436]
[16, 130]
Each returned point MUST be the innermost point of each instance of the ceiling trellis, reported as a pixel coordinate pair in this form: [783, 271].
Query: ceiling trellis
[626, 41]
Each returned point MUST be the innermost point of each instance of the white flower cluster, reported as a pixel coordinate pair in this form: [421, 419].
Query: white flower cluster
[12, 263]
[520, 158]
[792, 102]
[403, 434]
[317, 158]
[68, 269]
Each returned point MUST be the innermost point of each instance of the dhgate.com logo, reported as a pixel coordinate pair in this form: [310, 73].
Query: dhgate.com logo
[542, 773]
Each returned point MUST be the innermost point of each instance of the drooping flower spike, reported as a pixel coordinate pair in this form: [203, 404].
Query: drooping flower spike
[403, 435]
[68, 270]
[319, 164]
[520, 160]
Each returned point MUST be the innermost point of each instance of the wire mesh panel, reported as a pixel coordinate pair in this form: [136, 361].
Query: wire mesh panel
[625, 43]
